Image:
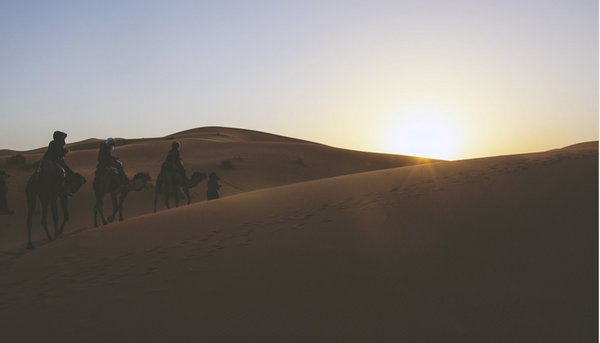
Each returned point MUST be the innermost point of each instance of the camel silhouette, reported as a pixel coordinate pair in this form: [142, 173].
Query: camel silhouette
[107, 182]
[171, 181]
[47, 184]
[4, 208]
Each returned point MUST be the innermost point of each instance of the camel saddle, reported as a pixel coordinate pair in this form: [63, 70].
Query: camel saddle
[101, 169]
[49, 167]
[170, 166]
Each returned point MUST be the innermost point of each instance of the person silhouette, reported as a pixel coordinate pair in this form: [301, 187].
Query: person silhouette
[174, 158]
[56, 151]
[213, 187]
[108, 162]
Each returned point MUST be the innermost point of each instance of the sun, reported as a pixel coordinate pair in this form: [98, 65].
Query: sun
[423, 133]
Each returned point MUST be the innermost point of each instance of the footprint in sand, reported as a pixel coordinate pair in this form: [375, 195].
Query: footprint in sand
[93, 281]
[163, 259]
[216, 248]
[117, 278]
[224, 239]
[309, 215]
[189, 257]
[150, 270]
[124, 256]
[197, 246]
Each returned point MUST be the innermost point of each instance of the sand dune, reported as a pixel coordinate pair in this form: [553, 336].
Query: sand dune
[259, 160]
[344, 248]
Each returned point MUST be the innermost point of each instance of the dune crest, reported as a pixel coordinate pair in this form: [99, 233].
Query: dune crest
[495, 249]
[245, 160]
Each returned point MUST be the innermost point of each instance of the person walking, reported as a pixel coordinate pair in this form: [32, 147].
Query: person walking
[213, 187]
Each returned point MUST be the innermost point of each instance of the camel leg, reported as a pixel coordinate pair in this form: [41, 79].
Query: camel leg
[155, 200]
[113, 198]
[98, 209]
[31, 199]
[97, 206]
[159, 184]
[64, 205]
[176, 196]
[54, 208]
[121, 201]
[44, 219]
[187, 195]
[101, 211]
[167, 198]
[96, 214]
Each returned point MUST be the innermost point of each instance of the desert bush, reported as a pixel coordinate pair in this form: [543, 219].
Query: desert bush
[227, 164]
[16, 160]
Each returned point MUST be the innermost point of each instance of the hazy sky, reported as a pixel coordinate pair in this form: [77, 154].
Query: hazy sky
[435, 78]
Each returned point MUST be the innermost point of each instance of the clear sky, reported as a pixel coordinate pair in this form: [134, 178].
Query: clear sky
[448, 79]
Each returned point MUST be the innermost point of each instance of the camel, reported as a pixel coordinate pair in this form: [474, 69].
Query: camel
[172, 180]
[108, 182]
[4, 209]
[46, 184]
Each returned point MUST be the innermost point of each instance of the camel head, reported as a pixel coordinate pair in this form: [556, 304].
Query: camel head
[198, 175]
[75, 182]
[140, 181]
[196, 178]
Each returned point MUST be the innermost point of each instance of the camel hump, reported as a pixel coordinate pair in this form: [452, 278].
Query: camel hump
[170, 166]
[49, 167]
[100, 169]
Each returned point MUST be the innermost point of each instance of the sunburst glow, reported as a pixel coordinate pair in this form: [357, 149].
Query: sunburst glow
[424, 133]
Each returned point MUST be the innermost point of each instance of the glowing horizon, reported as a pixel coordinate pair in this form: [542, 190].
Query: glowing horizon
[481, 79]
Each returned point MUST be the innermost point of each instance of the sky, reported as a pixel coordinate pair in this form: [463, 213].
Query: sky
[433, 78]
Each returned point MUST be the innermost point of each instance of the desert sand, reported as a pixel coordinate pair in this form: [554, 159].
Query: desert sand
[310, 243]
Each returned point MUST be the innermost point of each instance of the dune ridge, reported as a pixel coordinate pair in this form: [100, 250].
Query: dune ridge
[258, 160]
[494, 249]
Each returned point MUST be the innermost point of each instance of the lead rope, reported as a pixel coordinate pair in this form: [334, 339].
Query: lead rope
[235, 186]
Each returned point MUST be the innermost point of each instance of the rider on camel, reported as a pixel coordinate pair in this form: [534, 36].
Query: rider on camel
[174, 158]
[56, 151]
[106, 160]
